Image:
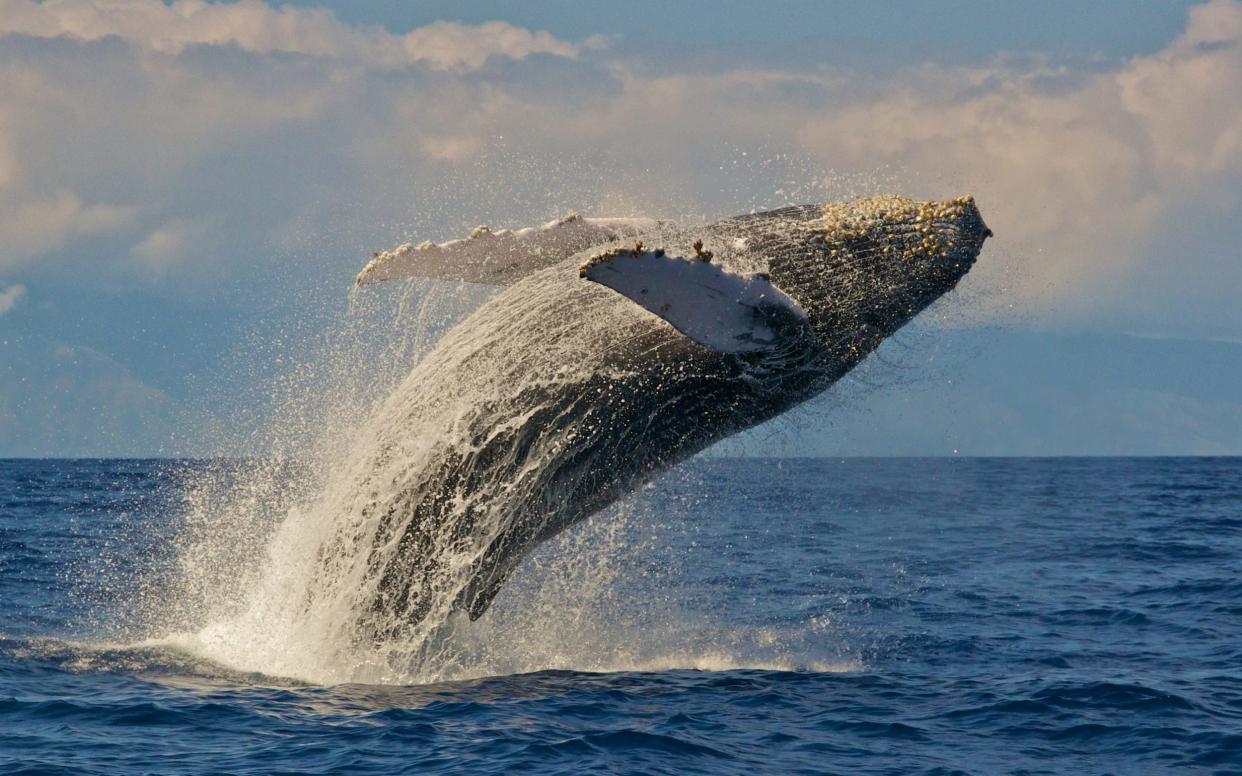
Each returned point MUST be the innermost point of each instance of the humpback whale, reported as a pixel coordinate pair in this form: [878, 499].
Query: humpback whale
[617, 348]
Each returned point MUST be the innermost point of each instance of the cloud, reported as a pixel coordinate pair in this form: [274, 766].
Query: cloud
[141, 120]
[121, 115]
[203, 166]
[1078, 173]
[168, 245]
[1188, 98]
[31, 228]
[8, 158]
[10, 296]
[255, 27]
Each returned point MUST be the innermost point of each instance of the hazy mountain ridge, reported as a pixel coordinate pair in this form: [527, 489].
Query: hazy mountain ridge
[60, 400]
[966, 392]
[1016, 392]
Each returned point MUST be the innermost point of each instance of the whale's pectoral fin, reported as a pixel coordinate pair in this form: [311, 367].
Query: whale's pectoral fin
[722, 310]
[503, 256]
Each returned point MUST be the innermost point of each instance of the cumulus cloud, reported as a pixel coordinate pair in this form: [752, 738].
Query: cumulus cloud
[167, 245]
[141, 120]
[32, 227]
[1188, 98]
[8, 157]
[253, 26]
[1079, 173]
[117, 114]
[10, 296]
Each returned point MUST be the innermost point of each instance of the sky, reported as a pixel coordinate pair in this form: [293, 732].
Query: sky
[187, 188]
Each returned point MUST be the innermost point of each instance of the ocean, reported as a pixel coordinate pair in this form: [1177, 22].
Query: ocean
[938, 616]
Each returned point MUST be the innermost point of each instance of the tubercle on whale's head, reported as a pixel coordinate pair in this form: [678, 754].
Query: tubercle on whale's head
[865, 267]
[942, 236]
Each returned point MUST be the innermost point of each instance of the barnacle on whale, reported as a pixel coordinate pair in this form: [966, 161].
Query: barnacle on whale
[899, 223]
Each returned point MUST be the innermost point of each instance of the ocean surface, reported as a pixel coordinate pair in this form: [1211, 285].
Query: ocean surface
[738, 616]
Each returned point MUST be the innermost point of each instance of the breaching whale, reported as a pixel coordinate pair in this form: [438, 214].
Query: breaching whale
[617, 348]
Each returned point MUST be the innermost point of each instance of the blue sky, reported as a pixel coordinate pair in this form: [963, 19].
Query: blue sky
[187, 188]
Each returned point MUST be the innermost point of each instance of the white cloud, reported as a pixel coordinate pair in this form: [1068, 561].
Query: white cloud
[1217, 21]
[1078, 173]
[162, 246]
[179, 110]
[33, 227]
[169, 246]
[10, 296]
[254, 26]
[453, 45]
[1188, 98]
[9, 170]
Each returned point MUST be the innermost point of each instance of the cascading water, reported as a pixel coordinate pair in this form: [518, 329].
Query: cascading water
[284, 555]
[253, 587]
[546, 405]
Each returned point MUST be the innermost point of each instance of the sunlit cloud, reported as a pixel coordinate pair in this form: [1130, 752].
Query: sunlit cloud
[256, 27]
[36, 226]
[9, 297]
[141, 121]
[168, 245]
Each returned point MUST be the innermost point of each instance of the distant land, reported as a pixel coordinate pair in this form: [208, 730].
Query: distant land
[1010, 392]
[977, 391]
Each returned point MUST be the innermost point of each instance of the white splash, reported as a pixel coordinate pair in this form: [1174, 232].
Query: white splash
[279, 560]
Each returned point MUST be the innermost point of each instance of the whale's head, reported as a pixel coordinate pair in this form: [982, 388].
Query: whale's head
[862, 269]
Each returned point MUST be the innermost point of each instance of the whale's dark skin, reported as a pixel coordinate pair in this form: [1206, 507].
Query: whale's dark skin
[559, 396]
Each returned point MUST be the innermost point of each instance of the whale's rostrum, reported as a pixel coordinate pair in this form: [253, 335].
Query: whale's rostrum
[618, 348]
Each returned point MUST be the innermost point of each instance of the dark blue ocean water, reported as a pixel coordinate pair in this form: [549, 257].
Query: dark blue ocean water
[937, 616]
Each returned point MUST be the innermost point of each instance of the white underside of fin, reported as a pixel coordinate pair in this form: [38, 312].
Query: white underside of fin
[503, 256]
[722, 310]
